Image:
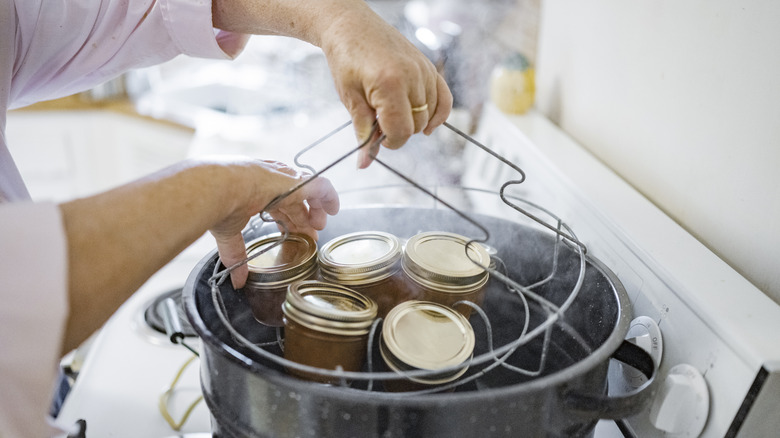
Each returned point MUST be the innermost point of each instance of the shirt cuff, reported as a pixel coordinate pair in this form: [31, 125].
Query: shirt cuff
[190, 25]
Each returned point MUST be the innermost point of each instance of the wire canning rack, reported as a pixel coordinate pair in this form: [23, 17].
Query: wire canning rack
[537, 318]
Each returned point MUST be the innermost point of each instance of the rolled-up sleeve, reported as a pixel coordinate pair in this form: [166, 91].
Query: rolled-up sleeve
[68, 46]
[33, 311]
[187, 21]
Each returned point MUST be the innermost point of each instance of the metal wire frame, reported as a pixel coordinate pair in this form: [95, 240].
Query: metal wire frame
[498, 356]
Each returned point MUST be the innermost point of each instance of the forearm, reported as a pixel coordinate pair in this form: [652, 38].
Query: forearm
[118, 239]
[306, 20]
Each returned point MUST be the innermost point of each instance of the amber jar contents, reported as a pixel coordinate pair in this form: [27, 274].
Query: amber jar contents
[270, 273]
[368, 262]
[422, 335]
[326, 326]
[442, 268]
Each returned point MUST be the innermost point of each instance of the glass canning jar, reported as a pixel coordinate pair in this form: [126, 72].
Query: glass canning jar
[423, 335]
[326, 326]
[368, 262]
[440, 268]
[294, 259]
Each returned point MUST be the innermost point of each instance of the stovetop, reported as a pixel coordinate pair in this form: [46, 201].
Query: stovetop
[130, 364]
[714, 327]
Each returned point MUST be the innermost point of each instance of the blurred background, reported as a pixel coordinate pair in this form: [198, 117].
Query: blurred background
[678, 99]
[276, 98]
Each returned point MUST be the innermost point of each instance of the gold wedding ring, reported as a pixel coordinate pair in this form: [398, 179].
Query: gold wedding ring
[419, 109]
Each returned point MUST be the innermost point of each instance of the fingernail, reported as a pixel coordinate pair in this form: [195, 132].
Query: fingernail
[363, 159]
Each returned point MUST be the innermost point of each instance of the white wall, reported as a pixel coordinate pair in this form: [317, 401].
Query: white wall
[682, 99]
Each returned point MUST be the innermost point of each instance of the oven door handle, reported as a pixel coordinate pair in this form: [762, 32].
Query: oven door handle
[615, 407]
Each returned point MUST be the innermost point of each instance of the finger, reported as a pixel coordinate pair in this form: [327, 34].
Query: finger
[369, 151]
[325, 196]
[363, 115]
[320, 199]
[318, 212]
[317, 218]
[420, 117]
[363, 120]
[231, 251]
[309, 231]
[424, 106]
[282, 221]
[420, 114]
[443, 105]
[390, 98]
[286, 224]
[432, 91]
[297, 215]
[321, 194]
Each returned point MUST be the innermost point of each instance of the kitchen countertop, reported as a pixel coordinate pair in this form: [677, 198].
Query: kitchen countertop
[80, 102]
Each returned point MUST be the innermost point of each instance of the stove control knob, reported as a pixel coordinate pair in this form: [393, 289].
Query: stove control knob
[644, 333]
[682, 404]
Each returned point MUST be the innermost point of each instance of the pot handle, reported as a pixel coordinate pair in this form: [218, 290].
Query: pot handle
[614, 407]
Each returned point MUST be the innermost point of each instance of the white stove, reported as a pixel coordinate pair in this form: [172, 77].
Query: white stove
[129, 365]
[714, 335]
[719, 351]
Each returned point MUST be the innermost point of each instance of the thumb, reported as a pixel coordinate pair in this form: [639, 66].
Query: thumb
[232, 250]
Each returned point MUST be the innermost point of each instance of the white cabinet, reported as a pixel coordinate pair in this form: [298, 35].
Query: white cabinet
[71, 153]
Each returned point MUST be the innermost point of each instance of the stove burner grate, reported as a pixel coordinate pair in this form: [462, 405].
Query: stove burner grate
[154, 319]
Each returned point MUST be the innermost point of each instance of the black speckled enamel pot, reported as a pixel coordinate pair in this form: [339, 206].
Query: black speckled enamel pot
[251, 396]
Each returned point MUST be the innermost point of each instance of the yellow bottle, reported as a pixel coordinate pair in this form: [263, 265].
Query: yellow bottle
[512, 86]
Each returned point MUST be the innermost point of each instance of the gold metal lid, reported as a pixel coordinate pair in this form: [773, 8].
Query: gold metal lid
[359, 258]
[426, 335]
[330, 308]
[439, 260]
[291, 259]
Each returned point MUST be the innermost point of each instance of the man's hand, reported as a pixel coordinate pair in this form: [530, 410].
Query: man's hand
[119, 238]
[302, 211]
[380, 75]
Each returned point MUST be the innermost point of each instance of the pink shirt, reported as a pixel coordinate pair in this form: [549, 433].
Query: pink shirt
[50, 49]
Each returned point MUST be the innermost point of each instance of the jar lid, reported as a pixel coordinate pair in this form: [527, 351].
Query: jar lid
[329, 307]
[439, 260]
[288, 260]
[360, 257]
[426, 335]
